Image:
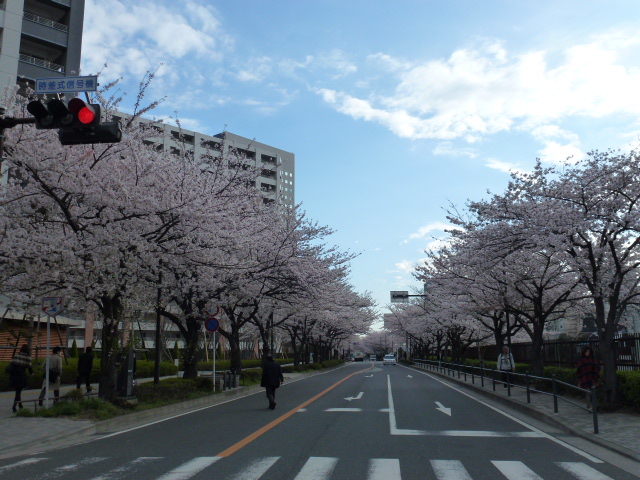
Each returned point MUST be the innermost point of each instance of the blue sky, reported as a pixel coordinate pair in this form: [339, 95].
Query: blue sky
[394, 109]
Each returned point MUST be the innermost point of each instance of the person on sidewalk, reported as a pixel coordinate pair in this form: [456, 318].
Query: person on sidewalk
[20, 364]
[506, 365]
[55, 372]
[271, 379]
[588, 373]
[85, 365]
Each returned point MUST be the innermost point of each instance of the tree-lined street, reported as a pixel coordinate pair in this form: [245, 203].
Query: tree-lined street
[362, 421]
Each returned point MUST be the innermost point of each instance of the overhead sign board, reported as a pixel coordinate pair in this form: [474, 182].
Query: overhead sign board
[67, 84]
[399, 296]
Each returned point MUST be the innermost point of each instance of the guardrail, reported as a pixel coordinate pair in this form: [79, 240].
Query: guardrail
[529, 383]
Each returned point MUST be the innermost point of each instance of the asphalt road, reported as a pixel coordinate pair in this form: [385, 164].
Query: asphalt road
[363, 421]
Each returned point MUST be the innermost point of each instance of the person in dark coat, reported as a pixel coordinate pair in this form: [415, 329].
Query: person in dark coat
[588, 373]
[20, 364]
[85, 365]
[271, 379]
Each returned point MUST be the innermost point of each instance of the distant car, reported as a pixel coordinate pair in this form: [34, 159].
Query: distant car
[389, 360]
[372, 358]
[358, 357]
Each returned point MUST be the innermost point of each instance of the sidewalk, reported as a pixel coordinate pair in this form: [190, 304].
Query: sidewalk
[20, 432]
[619, 432]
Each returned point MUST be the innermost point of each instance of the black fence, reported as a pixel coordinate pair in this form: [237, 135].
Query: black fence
[566, 353]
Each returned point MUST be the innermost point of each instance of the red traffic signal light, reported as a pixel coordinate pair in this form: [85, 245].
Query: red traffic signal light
[86, 114]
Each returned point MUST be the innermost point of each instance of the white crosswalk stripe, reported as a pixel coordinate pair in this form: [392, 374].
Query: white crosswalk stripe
[315, 468]
[384, 469]
[516, 470]
[189, 469]
[127, 470]
[449, 470]
[582, 471]
[256, 469]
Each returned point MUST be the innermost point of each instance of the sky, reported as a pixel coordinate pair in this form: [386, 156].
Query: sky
[396, 111]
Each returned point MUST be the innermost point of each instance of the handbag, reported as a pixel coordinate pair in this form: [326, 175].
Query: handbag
[53, 375]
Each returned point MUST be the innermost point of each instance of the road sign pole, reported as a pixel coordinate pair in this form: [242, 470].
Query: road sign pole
[47, 361]
[214, 361]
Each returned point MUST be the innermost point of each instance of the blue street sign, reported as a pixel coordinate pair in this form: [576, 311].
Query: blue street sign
[67, 84]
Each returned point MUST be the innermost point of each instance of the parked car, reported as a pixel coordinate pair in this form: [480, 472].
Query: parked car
[389, 359]
[372, 358]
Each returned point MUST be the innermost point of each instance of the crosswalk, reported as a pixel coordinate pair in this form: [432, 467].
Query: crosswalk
[314, 468]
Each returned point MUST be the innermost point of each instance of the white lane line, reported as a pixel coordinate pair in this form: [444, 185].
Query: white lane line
[190, 468]
[256, 469]
[316, 468]
[449, 470]
[542, 434]
[343, 410]
[582, 471]
[22, 463]
[74, 466]
[125, 470]
[384, 469]
[514, 470]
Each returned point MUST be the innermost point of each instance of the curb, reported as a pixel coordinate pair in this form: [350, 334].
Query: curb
[542, 416]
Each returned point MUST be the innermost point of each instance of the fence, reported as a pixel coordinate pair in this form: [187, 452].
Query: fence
[527, 382]
[566, 353]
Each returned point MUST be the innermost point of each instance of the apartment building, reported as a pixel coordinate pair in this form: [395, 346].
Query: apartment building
[276, 166]
[39, 39]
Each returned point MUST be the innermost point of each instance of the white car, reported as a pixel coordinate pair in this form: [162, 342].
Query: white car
[372, 358]
[389, 360]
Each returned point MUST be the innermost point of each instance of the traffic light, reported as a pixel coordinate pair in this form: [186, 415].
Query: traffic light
[54, 114]
[77, 123]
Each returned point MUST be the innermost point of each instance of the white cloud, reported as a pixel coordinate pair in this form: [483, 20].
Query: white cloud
[427, 229]
[448, 149]
[503, 166]
[136, 37]
[406, 266]
[486, 89]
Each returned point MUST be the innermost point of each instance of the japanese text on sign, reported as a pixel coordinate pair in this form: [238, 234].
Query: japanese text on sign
[67, 84]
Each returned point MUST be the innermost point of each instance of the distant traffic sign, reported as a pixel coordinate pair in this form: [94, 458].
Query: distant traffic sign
[67, 84]
[212, 324]
[52, 305]
[399, 296]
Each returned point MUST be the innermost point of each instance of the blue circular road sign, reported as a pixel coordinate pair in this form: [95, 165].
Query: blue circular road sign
[212, 324]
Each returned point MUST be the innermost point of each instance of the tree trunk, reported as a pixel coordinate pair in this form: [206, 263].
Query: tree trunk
[112, 310]
[192, 351]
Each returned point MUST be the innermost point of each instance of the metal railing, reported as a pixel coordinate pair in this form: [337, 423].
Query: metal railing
[41, 63]
[45, 21]
[529, 383]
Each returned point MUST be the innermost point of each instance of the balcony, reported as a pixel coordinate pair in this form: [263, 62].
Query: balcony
[45, 21]
[39, 62]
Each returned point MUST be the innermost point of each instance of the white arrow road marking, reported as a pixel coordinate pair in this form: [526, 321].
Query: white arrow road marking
[443, 409]
[410, 376]
[368, 376]
[355, 398]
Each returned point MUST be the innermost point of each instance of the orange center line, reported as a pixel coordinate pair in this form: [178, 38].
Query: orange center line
[247, 440]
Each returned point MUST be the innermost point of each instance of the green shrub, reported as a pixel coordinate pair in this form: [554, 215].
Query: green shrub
[629, 385]
[167, 389]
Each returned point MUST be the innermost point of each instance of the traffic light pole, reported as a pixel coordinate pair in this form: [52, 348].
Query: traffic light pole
[9, 122]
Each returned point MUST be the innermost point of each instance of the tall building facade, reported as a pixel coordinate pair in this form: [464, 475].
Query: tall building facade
[276, 166]
[39, 39]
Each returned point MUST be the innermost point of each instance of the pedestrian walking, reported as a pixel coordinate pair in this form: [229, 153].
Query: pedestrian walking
[20, 364]
[85, 365]
[271, 379]
[588, 373]
[506, 365]
[55, 372]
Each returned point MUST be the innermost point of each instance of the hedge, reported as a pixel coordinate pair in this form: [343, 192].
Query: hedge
[144, 369]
